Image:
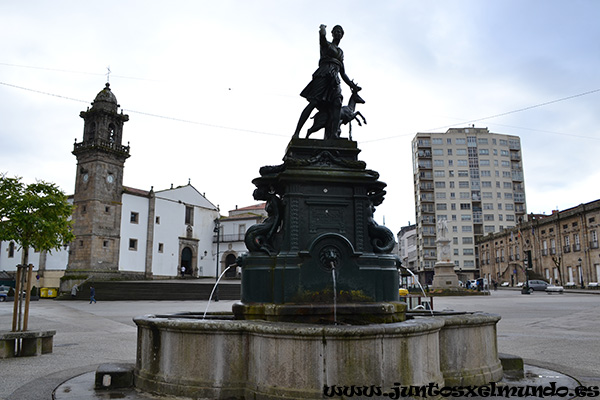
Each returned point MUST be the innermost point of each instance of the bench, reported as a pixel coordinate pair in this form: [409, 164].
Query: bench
[593, 285]
[504, 284]
[570, 285]
[33, 343]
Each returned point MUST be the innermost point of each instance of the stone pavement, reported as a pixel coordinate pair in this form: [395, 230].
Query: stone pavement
[557, 333]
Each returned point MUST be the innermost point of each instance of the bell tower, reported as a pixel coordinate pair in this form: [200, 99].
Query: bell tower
[99, 187]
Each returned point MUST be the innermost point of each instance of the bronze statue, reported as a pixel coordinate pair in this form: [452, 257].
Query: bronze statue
[324, 91]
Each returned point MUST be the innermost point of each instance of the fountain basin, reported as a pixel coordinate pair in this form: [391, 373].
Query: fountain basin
[236, 359]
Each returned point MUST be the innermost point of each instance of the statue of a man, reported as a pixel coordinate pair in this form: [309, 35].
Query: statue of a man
[442, 227]
[324, 91]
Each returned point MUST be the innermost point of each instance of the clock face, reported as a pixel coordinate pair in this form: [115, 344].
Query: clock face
[86, 177]
[110, 178]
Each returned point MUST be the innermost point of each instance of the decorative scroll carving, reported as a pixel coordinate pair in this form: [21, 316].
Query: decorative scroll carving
[260, 237]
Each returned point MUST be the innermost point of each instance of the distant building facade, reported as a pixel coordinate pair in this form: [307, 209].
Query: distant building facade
[232, 233]
[472, 178]
[407, 246]
[564, 248]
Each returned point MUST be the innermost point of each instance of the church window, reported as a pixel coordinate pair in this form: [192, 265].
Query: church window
[11, 249]
[112, 136]
[93, 132]
[134, 219]
[133, 244]
[189, 215]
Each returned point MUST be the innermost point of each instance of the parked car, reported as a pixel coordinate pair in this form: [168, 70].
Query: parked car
[3, 292]
[537, 285]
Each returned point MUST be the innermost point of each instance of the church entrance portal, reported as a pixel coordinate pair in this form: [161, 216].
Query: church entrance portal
[186, 260]
[231, 272]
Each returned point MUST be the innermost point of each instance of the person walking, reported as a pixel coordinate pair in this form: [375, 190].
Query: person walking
[92, 295]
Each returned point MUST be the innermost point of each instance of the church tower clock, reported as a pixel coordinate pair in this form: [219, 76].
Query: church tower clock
[99, 187]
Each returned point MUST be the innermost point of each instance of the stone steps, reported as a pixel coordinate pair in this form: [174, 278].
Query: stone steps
[156, 290]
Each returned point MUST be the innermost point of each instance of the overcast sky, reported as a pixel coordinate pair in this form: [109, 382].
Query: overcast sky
[212, 87]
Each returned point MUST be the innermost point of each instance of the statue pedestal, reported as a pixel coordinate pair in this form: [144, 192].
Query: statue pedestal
[320, 237]
[444, 276]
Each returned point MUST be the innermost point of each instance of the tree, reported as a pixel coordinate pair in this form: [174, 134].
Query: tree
[34, 216]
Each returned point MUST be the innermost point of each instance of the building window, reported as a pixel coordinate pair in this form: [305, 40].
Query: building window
[189, 215]
[134, 217]
[107, 209]
[11, 250]
[105, 243]
[157, 220]
[161, 247]
[133, 244]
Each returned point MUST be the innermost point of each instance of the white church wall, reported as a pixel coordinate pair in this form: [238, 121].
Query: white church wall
[168, 227]
[133, 258]
[204, 224]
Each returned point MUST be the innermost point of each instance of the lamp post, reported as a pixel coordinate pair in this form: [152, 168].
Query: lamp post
[580, 273]
[217, 230]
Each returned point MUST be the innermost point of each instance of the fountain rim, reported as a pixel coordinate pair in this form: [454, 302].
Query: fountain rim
[178, 323]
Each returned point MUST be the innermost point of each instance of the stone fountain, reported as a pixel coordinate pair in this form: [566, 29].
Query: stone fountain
[319, 307]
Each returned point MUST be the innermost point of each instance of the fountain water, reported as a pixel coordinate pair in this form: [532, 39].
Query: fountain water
[214, 288]
[418, 283]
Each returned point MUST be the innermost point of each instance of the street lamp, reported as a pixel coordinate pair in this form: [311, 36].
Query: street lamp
[580, 273]
[217, 230]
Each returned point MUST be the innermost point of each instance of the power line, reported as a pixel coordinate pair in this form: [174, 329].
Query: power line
[501, 115]
[148, 114]
[75, 72]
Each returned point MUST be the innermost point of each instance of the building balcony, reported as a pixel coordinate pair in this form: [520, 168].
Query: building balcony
[576, 247]
[593, 245]
[553, 251]
[236, 237]
[100, 144]
[544, 252]
[517, 176]
[566, 249]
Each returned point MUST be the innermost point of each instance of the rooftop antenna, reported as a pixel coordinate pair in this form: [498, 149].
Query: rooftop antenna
[108, 74]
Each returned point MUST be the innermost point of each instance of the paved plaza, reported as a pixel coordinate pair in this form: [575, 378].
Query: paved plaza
[558, 332]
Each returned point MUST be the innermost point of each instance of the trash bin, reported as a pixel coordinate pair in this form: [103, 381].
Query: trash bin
[52, 292]
[44, 292]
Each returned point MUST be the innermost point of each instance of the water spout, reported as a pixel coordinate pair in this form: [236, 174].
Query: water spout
[215, 287]
[422, 291]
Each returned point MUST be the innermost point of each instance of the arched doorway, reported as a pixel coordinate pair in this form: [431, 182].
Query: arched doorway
[231, 272]
[186, 260]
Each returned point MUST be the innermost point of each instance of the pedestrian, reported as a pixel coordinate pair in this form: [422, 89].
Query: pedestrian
[495, 285]
[92, 295]
[182, 271]
[74, 290]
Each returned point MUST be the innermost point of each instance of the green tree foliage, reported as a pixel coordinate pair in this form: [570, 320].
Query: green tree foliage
[34, 216]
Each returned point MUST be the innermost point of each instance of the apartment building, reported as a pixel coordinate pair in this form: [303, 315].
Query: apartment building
[564, 248]
[472, 178]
